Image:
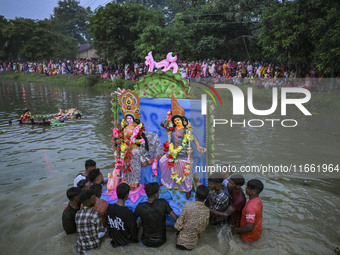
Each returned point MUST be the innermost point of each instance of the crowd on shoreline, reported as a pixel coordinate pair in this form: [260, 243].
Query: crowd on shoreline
[259, 74]
[221, 202]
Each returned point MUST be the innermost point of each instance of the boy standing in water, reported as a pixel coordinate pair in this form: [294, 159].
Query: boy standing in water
[219, 199]
[89, 166]
[251, 220]
[237, 201]
[71, 209]
[153, 215]
[193, 220]
[101, 204]
[121, 220]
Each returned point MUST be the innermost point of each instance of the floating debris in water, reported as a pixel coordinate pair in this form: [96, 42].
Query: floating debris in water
[306, 182]
[17, 205]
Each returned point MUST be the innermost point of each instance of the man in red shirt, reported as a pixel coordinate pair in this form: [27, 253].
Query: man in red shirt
[251, 220]
[237, 201]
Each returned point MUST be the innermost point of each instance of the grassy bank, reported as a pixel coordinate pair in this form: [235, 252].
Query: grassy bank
[329, 101]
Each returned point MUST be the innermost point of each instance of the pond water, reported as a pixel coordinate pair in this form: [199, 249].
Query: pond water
[38, 164]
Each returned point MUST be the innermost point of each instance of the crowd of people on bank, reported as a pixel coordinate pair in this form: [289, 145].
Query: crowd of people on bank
[221, 202]
[212, 71]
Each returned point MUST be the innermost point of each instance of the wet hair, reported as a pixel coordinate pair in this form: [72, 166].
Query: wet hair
[184, 120]
[255, 184]
[216, 178]
[93, 174]
[151, 188]
[71, 193]
[237, 179]
[122, 190]
[97, 189]
[85, 195]
[202, 192]
[81, 184]
[89, 163]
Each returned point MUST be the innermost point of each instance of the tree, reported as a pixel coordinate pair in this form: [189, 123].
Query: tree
[28, 39]
[3, 36]
[221, 29]
[18, 32]
[71, 19]
[302, 33]
[325, 35]
[116, 28]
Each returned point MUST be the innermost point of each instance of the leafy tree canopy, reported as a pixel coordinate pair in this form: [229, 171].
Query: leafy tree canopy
[302, 33]
[115, 29]
[71, 19]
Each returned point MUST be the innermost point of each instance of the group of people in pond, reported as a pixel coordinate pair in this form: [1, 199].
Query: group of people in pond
[222, 201]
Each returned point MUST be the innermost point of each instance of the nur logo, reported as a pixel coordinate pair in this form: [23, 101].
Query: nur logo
[204, 98]
[288, 96]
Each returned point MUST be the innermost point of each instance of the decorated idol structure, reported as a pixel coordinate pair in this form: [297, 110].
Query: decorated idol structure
[159, 135]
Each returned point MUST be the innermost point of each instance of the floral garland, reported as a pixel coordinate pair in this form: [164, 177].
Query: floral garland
[122, 146]
[172, 153]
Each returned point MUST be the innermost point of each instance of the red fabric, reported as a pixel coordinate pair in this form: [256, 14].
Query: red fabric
[237, 202]
[252, 213]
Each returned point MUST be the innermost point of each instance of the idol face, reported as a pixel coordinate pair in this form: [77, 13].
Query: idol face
[129, 120]
[178, 122]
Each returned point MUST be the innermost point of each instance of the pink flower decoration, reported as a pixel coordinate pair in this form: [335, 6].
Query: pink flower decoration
[119, 164]
[115, 132]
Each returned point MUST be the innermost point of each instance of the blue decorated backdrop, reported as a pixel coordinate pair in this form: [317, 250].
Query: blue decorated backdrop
[153, 112]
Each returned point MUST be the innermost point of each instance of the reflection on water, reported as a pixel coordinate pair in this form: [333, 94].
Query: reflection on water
[38, 164]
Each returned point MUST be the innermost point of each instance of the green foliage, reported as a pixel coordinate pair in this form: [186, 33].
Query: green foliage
[70, 19]
[116, 83]
[302, 32]
[92, 80]
[162, 40]
[18, 33]
[325, 33]
[27, 39]
[115, 29]
[223, 29]
[3, 37]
